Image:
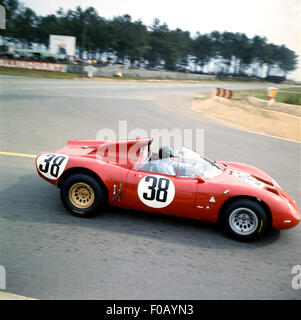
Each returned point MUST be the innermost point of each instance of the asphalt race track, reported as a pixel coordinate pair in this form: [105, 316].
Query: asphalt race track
[122, 254]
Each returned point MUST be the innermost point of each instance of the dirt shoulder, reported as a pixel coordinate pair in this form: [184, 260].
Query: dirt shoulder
[291, 109]
[278, 121]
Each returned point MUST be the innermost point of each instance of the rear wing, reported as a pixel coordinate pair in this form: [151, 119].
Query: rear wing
[118, 152]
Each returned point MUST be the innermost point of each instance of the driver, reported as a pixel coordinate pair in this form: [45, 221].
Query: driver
[165, 164]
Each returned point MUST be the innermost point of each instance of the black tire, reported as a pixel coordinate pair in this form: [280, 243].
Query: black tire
[82, 195]
[244, 219]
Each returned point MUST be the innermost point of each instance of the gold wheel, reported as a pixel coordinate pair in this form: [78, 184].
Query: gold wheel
[81, 195]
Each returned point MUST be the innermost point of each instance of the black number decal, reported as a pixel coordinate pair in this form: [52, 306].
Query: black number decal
[47, 161]
[160, 193]
[54, 166]
[57, 161]
[152, 188]
[162, 190]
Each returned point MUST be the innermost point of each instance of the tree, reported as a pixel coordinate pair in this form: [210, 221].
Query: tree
[156, 43]
[183, 44]
[137, 41]
[121, 38]
[24, 25]
[258, 43]
[227, 49]
[45, 26]
[269, 54]
[202, 49]
[286, 59]
[243, 52]
[20, 21]
[98, 32]
[11, 7]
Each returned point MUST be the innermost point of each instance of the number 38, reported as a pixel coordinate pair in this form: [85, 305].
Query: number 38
[52, 164]
[158, 189]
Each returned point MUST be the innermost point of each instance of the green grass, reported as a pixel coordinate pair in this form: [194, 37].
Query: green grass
[284, 95]
[37, 73]
[243, 94]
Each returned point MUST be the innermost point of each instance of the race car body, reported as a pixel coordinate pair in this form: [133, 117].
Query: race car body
[127, 174]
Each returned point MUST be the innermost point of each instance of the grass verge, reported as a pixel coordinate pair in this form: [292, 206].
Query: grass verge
[284, 95]
[37, 73]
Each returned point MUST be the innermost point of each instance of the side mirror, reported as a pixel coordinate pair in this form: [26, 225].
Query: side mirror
[200, 179]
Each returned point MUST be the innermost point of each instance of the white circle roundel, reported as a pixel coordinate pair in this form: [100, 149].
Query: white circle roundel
[156, 191]
[52, 165]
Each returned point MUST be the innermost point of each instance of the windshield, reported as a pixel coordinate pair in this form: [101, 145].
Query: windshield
[192, 164]
[185, 163]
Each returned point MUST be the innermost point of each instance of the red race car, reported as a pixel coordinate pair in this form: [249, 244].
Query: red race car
[127, 174]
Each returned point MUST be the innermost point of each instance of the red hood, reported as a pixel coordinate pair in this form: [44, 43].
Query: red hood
[253, 171]
[270, 184]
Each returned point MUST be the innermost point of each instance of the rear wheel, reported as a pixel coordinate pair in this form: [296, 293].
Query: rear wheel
[244, 219]
[82, 195]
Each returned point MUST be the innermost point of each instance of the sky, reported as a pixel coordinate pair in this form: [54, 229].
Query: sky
[278, 20]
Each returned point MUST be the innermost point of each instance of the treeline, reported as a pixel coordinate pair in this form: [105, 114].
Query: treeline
[154, 46]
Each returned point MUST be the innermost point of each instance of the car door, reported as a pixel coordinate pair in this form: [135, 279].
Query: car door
[160, 193]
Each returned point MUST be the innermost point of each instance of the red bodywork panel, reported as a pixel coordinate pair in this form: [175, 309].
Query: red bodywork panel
[113, 162]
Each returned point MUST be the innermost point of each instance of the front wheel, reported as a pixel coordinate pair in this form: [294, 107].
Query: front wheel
[82, 195]
[244, 219]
